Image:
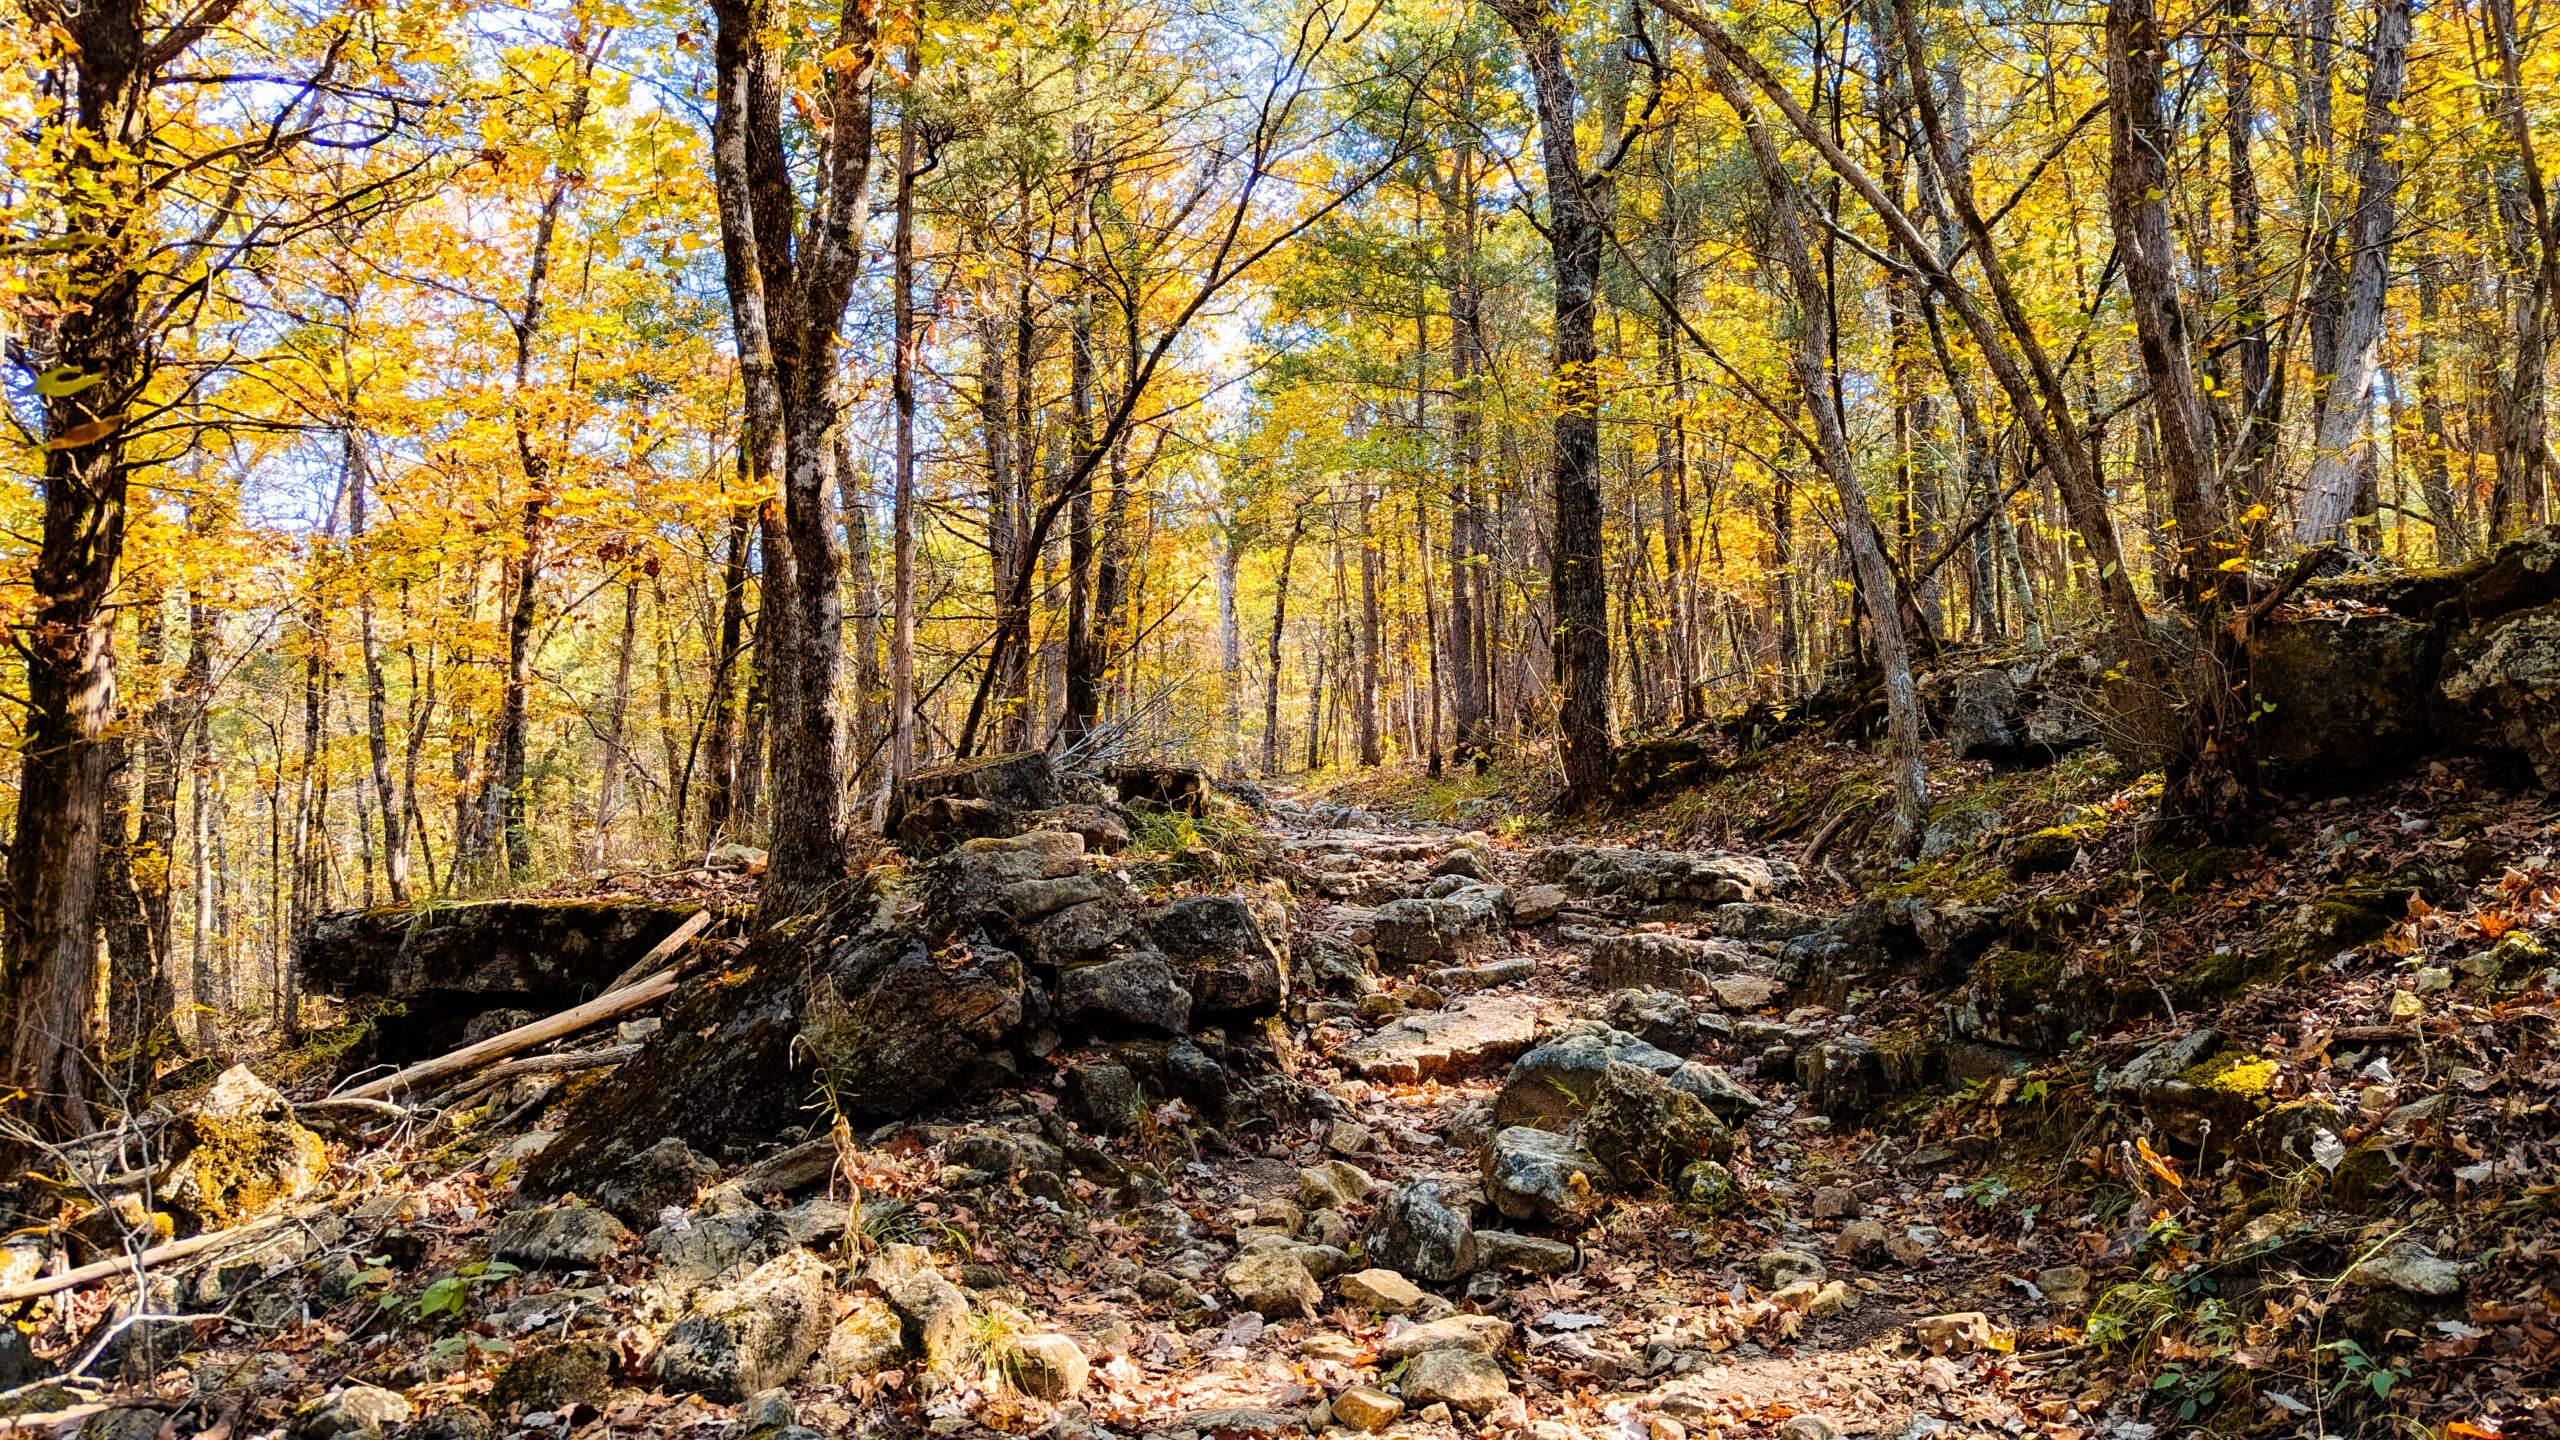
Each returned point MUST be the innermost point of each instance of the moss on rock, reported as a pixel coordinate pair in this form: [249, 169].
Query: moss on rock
[2054, 848]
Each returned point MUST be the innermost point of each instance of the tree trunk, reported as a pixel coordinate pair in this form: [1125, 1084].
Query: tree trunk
[2346, 416]
[1371, 625]
[617, 710]
[1578, 585]
[1866, 545]
[2453, 542]
[902, 521]
[720, 757]
[1279, 618]
[2209, 779]
[395, 834]
[787, 305]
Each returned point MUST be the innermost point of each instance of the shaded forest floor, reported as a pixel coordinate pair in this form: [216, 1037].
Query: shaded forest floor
[2051, 1134]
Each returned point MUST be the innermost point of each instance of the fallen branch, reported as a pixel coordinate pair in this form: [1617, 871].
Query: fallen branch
[382, 1109]
[130, 1264]
[524, 1037]
[694, 925]
[498, 1075]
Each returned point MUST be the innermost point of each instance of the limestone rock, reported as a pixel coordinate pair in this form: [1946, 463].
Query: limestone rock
[1474, 1031]
[1960, 1333]
[1763, 920]
[1468, 921]
[570, 1236]
[556, 1376]
[890, 1023]
[1135, 989]
[2410, 1268]
[1537, 904]
[1662, 962]
[1334, 1185]
[1482, 1333]
[1367, 1409]
[367, 1411]
[1272, 1281]
[1226, 960]
[1048, 1367]
[1780, 1268]
[667, 1173]
[2500, 689]
[1644, 1132]
[1663, 881]
[1420, 1234]
[239, 1152]
[1383, 1291]
[865, 1342]
[2350, 696]
[1539, 1175]
[1171, 787]
[1524, 1254]
[759, 1333]
[1470, 1382]
[1023, 780]
[1551, 1084]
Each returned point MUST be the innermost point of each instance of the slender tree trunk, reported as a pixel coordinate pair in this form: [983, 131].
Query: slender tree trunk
[1271, 746]
[2453, 542]
[1866, 545]
[2523, 452]
[902, 390]
[720, 758]
[1371, 625]
[617, 710]
[2346, 416]
[1231, 645]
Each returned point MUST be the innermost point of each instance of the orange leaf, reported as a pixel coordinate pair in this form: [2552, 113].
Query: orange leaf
[2496, 924]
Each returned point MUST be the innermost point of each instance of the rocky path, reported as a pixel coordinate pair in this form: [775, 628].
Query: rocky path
[1594, 1274]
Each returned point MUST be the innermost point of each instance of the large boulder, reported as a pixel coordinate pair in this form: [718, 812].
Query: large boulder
[759, 1333]
[1135, 989]
[2500, 689]
[1551, 1085]
[1418, 1233]
[2026, 712]
[1005, 784]
[1171, 787]
[1539, 1175]
[1667, 882]
[890, 1023]
[448, 964]
[238, 1153]
[1645, 1132]
[2340, 698]
[1228, 962]
[1471, 919]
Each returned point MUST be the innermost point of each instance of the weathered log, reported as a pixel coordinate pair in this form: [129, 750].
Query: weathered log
[660, 951]
[524, 1037]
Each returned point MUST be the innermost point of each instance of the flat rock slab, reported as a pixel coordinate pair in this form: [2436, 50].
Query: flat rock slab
[1486, 1030]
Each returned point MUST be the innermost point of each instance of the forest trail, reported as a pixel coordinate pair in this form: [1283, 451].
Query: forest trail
[1798, 1311]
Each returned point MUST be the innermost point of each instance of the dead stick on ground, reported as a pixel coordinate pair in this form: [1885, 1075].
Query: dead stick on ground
[125, 1265]
[694, 925]
[497, 1075]
[568, 1022]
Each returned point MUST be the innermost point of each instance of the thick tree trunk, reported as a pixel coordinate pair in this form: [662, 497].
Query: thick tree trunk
[1577, 584]
[2346, 416]
[2210, 777]
[787, 304]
